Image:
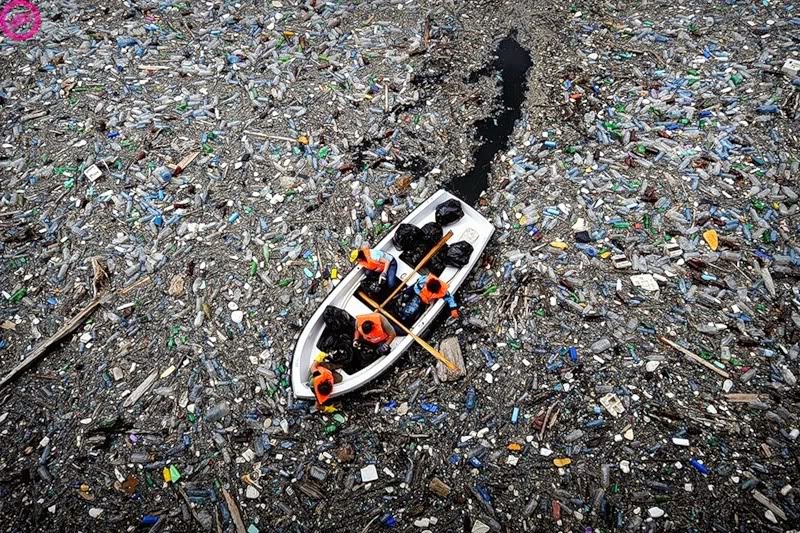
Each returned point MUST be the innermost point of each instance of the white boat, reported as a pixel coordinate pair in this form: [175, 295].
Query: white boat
[472, 227]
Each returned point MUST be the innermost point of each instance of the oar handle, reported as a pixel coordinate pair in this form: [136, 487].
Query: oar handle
[433, 351]
[422, 263]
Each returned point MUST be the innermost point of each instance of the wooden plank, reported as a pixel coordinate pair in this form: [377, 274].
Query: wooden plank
[742, 397]
[766, 502]
[183, 163]
[452, 350]
[143, 387]
[696, 358]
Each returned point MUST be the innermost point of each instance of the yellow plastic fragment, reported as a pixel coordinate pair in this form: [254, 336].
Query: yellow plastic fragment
[562, 461]
[711, 238]
[561, 245]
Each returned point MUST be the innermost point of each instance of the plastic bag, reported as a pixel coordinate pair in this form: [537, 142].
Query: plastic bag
[414, 255]
[337, 337]
[431, 234]
[407, 316]
[437, 264]
[338, 320]
[458, 254]
[449, 212]
[407, 236]
[374, 288]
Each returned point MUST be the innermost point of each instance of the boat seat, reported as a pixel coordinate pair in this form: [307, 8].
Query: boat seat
[403, 269]
[356, 307]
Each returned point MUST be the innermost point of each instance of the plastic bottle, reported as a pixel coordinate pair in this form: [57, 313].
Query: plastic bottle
[217, 412]
[700, 467]
[472, 397]
[601, 345]
[429, 407]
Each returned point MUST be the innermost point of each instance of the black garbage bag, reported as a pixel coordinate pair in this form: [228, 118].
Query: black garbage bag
[414, 255]
[437, 265]
[407, 236]
[458, 254]
[339, 348]
[374, 288]
[371, 285]
[443, 251]
[431, 234]
[338, 320]
[449, 212]
[337, 341]
[337, 337]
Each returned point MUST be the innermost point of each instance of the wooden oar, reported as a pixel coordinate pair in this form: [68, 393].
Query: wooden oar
[433, 351]
[422, 263]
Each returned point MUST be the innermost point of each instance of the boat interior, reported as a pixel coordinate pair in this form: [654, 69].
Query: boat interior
[355, 306]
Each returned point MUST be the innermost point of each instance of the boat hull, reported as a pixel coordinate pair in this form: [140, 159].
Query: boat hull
[472, 227]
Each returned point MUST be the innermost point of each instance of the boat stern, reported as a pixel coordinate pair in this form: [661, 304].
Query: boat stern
[300, 387]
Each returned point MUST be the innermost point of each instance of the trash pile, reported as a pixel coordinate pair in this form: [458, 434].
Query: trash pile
[181, 187]
[417, 242]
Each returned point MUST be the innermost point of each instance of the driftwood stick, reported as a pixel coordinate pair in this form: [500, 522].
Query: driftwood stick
[64, 331]
[696, 358]
[234, 510]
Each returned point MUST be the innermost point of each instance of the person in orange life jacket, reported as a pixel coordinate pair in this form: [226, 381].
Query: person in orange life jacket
[376, 330]
[426, 291]
[322, 381]
[322, 378]
[377, 261]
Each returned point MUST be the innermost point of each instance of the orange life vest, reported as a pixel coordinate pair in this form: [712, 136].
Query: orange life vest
[377, 335]
[321, 383]
[369, 263]
[427, 296]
